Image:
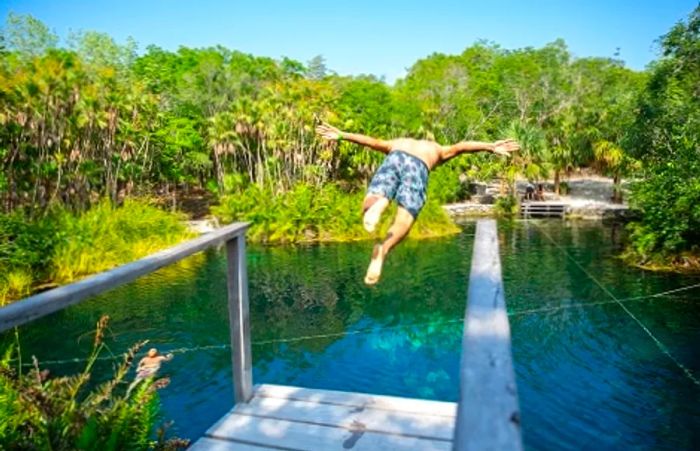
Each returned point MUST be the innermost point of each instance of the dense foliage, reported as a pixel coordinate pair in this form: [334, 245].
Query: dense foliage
[667, 141]
[96, 119]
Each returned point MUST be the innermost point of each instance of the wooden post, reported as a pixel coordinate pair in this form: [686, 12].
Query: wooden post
[238, 312]
[488, 416]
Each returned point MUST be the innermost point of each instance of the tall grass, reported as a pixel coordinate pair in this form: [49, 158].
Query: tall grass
[62, 246]
[106, 236]
[307, 214]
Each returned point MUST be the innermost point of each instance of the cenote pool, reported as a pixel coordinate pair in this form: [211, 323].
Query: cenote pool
[589, 376]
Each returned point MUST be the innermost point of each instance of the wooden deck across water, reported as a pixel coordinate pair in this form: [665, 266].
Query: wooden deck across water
[542, 208]
[280, 417]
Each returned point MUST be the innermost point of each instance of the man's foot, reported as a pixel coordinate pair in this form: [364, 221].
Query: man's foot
[373, 214]
[374, 271]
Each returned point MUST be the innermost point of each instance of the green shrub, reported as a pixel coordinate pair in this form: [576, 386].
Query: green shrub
[668, 232]
[444, 186]
[38, 411]
[507, 206]
[26, 245]
[306, 214]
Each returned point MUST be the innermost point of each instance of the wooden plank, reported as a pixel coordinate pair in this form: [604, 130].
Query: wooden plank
[42, 304]
[488, 414]
[238, 308]
[299, 435]
[343, 416]
[211, 444]
[358, 400]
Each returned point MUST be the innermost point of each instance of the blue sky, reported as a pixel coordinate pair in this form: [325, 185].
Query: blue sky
[361, 36]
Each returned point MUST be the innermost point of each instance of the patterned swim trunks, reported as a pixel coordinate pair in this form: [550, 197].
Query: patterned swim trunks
[402, 177]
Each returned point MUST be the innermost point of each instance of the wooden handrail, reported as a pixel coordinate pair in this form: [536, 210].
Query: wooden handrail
[42, 304]
[488, 415]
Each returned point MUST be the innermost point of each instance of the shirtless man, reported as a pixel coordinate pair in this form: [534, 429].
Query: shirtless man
[403, 176]
[148, 366]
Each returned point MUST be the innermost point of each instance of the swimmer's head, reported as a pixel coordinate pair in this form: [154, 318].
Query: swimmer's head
[152, 352]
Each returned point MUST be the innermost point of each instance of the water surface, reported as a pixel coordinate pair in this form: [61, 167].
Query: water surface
[588, 374]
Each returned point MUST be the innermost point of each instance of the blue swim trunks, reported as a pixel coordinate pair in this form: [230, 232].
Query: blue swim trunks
[402, 177]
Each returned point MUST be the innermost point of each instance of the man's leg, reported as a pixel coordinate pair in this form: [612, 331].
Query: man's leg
[398, 230]
[133, 384]
[373, 207]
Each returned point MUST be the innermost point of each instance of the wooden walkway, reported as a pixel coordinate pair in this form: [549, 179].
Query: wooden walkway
[280, 417]
[542, 208]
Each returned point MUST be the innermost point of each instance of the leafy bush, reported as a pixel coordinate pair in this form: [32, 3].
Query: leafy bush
[306, 214]
[564, 188]
[669, 230]
[507, 206]
[26, 247]
[26, 243]
[445, 185]
[38, 411]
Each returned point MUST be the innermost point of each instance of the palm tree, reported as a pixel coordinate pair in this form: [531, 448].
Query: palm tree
[221, 136]
[531, 160]
[613, 160]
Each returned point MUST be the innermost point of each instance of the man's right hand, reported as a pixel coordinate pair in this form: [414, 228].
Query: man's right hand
[328, 132]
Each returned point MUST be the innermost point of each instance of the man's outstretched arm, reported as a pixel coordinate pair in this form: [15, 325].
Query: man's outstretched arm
[331, 133]
[503, 147]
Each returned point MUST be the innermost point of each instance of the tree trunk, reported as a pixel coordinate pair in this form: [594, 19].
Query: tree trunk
[556, 182]
[617, 189]
[218, 171]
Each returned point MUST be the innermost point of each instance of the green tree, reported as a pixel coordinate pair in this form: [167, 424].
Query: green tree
[28, 36]
[316, 68]
[666, 138]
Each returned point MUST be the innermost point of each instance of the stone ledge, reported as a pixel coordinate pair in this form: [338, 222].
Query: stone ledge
[593, 210]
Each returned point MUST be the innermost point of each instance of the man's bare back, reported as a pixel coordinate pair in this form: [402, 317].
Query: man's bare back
[429, 152]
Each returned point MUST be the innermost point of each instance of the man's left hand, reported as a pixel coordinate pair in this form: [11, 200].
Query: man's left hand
[505, 147]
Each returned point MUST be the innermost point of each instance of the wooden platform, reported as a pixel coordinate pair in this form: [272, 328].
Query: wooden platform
[280, 417]
[539, 208]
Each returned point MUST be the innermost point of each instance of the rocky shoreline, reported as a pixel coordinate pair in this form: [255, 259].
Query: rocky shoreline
[587, 198]
[572, 210]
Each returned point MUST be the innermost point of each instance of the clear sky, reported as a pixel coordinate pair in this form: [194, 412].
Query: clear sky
[381, 37]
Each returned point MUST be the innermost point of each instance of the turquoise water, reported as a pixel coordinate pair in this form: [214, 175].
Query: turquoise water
[588, 374]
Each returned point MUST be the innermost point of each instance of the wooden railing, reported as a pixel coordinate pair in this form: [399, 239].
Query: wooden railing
[488, 416]
[34, 307]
